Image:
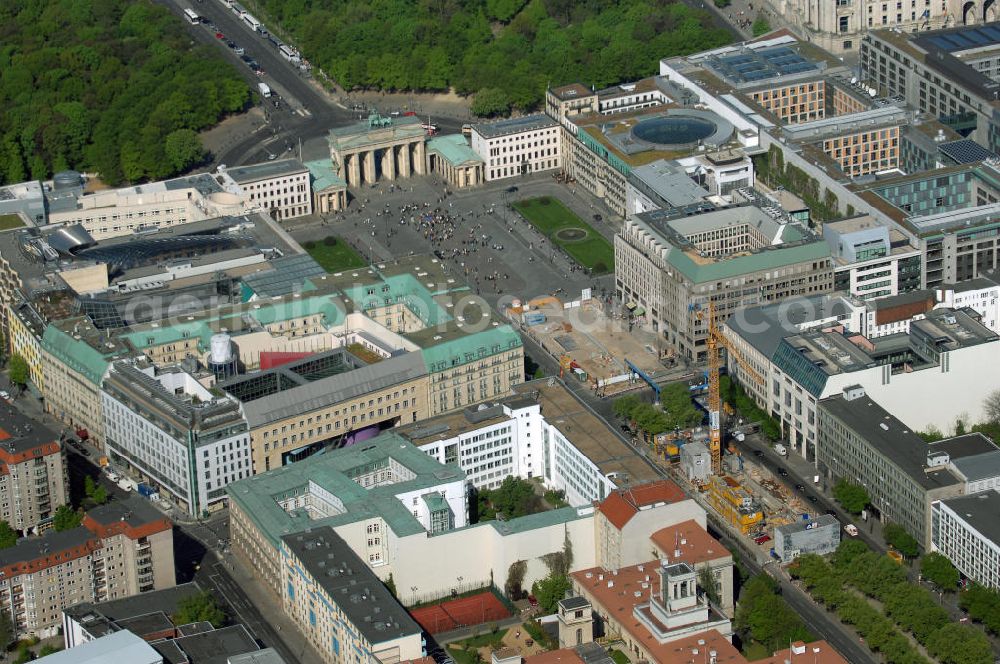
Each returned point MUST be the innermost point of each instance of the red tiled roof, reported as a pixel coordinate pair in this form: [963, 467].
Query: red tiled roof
[694, 543]
[105, 531]
[619, 601]
[817, 652]
[620, 506]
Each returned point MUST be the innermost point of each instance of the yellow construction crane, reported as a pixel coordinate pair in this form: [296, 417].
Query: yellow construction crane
[715, 342]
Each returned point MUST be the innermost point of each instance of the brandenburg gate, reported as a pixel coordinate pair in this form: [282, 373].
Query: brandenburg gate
[379, 148]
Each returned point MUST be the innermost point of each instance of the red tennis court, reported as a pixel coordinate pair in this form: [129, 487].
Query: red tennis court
[476, 609]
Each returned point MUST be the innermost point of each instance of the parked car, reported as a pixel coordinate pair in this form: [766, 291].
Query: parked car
[5, 395]
[851, 530]
[219, 35]
[761, 539]
[532, 600]
[812, 499]
[238, 50]
[782, 472]
[799, 487]
[758, 453]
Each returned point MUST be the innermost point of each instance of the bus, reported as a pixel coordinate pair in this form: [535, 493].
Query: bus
[238, 9]
[289, 53]
[228, 3]
[255, 25]
[192, 16]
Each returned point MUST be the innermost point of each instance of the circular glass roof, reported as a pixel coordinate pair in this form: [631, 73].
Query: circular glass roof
[674, 130]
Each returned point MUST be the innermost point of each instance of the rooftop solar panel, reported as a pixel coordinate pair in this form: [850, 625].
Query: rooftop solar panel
[965, 151]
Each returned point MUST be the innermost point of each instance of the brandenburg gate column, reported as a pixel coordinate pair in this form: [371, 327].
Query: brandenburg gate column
[419, 158]
[370, 167]
[354, 171]
[404, 160]
[389, 162]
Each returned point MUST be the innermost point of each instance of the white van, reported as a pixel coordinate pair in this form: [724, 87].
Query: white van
[851, 530]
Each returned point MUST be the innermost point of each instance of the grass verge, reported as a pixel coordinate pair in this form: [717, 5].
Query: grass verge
[550, 216]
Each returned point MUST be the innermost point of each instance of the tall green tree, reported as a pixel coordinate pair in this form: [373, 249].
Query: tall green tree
[66, 518]
[8, 536]
[200, 608]
[901, 540]
[550, 590]
[17, 370]
[183, 149]
[852, 497]
[937, 569]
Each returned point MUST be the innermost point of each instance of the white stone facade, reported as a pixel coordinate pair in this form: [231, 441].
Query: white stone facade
[511, 148]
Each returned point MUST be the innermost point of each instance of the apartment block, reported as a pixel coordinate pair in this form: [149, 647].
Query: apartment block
[123, 548]
[33, 480]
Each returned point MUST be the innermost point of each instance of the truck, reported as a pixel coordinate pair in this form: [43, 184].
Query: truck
[780, 449]
[265, 90]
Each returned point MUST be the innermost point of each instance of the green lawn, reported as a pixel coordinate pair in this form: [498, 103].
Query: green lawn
[336, 257]
[8, 221]
[550, 216]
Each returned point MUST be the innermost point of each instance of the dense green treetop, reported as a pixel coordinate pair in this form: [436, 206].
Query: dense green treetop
[115, 87]
[512, 46]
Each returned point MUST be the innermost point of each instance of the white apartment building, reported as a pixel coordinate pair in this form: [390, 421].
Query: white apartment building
[175, 433]
[281, 188]
[967, 531]
[490, 443]
[518, 146]
[947, 354]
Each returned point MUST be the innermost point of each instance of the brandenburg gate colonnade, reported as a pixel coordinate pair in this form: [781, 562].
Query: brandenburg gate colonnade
[369, 164]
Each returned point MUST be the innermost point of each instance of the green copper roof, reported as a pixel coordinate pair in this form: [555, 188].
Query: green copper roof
[265, 312]
[400, 288]
[455, 149]
[765, 259]
[76, 354]
[470, 347]
[323, 175]
[299, 307]
[156, 336]
[333, 472]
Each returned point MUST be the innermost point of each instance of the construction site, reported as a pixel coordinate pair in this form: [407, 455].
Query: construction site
[745, 496]
[594, 345]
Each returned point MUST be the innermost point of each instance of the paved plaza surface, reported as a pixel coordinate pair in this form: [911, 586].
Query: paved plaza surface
[484, 243]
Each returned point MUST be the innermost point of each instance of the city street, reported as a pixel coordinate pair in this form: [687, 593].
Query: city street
[306, 111]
